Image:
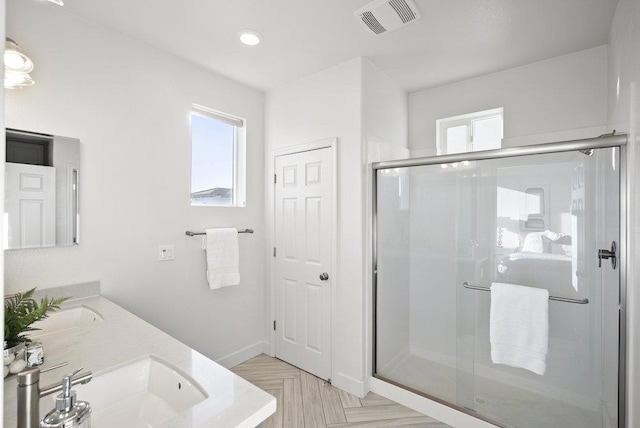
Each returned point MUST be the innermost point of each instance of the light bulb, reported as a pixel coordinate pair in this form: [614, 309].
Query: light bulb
[17, 80]
[13, 60]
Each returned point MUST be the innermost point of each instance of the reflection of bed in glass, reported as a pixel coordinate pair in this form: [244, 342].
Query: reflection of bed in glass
[544, 260]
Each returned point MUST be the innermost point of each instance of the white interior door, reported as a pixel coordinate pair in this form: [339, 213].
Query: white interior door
[30, 201]
[303, 271]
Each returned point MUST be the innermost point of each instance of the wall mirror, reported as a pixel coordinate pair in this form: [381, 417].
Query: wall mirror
[41, 190]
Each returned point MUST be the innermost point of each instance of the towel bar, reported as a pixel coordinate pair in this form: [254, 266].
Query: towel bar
[559, 299]
[189, 233]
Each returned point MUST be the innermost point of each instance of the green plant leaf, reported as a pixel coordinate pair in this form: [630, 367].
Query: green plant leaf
[21, 311]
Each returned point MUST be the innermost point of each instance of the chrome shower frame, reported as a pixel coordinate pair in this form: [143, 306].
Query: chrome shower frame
[585, 145]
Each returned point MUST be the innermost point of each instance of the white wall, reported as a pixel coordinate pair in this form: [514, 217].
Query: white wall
[129, 105]
[327, 105]
[548, 97]
[349, 101]
[435, 215]
[385, 137]
[624, 116]
[384, 108]
[393, 295]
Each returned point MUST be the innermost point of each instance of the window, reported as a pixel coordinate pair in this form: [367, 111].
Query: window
[217, 159]
[470, 132]
[534, 201]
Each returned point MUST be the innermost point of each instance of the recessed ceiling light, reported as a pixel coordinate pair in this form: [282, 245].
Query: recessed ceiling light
[249, 37]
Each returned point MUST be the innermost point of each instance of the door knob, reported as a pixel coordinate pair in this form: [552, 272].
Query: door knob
[324, 276]
[609, 254]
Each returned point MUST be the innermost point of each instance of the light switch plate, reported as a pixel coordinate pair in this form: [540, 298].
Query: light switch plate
[165, 252]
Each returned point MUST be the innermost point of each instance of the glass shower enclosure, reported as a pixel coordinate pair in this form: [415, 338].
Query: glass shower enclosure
[446, 228]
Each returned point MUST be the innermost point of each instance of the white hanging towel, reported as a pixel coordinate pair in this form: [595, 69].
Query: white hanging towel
[519, 326]
[223, 260]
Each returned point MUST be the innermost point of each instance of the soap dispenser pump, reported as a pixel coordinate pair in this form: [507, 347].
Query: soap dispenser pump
[68, 413]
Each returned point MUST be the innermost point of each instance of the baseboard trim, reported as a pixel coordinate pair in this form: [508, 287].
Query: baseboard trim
[266, 349]
[429, 407]
[241, 355]
[359, 388]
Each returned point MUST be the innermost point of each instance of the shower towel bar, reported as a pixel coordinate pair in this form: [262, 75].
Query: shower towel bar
[559, 299]
[189, 233]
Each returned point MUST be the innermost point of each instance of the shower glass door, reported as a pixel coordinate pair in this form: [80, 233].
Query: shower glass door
[446, 232]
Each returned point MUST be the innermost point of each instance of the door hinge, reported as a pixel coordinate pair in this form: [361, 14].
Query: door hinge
[274, 251]
[274, 325]
[275, 178]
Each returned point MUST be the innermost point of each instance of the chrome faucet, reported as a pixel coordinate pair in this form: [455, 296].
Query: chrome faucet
[29, 394]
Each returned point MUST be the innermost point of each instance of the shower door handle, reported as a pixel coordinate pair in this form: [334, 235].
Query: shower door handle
[609, 254]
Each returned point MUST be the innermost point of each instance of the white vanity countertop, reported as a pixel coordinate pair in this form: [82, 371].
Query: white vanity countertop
[122, 338]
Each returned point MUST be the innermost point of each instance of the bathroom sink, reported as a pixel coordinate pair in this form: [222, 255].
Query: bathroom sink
[65, 319]
[143, 393]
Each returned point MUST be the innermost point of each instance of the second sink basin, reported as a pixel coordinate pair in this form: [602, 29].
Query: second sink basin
[67, 318]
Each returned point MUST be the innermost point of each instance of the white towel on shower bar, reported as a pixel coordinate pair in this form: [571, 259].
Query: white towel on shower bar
[223, 260]
[519, 326]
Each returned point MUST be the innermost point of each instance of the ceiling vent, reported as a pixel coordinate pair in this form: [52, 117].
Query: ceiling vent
[382, 16]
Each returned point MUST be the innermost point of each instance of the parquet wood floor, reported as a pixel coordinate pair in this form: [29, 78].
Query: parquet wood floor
[306, 401]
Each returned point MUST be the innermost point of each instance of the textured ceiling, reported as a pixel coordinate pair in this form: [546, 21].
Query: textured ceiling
[454, 39]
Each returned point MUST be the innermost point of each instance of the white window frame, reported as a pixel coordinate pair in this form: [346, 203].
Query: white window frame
[466, 119]
[239, 155]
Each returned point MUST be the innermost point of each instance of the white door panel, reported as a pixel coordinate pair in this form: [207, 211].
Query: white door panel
[303, 241]
[30, 201]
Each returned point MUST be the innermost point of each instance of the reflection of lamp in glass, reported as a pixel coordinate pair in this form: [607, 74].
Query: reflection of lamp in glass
[17, 66]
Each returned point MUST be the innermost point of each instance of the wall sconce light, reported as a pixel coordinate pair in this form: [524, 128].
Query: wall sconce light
[17, 66]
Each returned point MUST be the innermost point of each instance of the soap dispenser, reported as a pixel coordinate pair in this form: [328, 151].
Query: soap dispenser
[68, 413]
